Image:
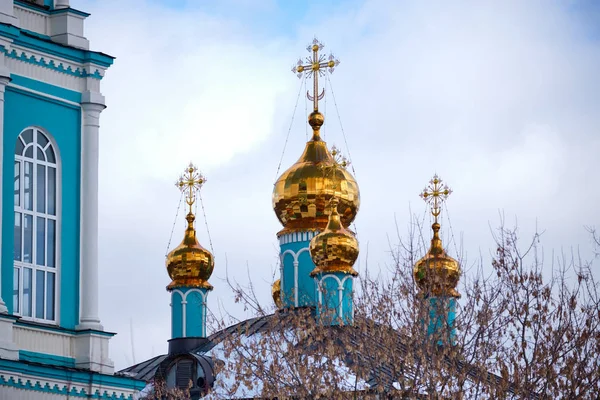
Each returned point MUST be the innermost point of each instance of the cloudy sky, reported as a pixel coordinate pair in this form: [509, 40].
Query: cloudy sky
[501, 99]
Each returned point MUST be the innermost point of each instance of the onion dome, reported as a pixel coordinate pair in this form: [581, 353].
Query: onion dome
[437, 273]
[190, 264]
[335, 249]
[303, 192]
[276, 293]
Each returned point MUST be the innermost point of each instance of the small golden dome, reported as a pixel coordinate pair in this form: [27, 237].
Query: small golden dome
[335, 249]
[302, 193]
[437, 273]
[189, 264]
[276, 293]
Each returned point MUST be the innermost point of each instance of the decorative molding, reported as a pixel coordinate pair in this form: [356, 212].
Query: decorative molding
[59, 388]
[296, 237]
[55, 64]
[33, 70]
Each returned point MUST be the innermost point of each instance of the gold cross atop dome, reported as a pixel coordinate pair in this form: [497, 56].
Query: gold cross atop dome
[315, 66]
[435, 194]
[190, 181]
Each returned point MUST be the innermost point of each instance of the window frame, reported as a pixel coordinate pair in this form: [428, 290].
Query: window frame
[20, 265]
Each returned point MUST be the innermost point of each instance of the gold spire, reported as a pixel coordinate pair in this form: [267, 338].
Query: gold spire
[437, 273]
[190, 264]
[276, 293]
[302, 193]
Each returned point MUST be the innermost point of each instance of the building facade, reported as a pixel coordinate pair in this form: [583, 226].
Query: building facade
[52, 342]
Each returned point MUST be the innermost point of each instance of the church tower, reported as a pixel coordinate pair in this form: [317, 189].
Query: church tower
[190, 266]
[302, 194]
[51, 338]
[437, 274]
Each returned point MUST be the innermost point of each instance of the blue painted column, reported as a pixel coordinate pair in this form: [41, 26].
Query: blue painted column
[335, 305]
[188, 312]
[297, 287]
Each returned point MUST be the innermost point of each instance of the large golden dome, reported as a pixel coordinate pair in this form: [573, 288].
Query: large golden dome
[190, 264]
[437, 273]
[302, 193]
[335, 249]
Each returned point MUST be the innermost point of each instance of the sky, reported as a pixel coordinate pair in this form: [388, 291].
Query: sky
[501, 99]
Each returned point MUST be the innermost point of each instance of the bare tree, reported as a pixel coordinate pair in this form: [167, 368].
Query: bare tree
[518, 334]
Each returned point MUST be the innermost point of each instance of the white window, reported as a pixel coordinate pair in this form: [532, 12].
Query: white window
[35, 234]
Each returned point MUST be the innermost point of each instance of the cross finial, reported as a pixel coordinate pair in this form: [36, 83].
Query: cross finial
[434, 194]
[315, 66]
[190, 181]
[330, 171]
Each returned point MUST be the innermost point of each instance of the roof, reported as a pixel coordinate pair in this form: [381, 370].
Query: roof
[383, 373]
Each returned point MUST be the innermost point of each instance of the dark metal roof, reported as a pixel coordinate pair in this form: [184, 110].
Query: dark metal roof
[145, 370]
[383, 375]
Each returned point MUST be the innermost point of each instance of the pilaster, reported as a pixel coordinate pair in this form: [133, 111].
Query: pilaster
[92, 105]
[4, 79]
[91, 352]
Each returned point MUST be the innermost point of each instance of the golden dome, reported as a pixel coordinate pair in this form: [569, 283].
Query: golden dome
[276, 293]
[302, 193]
[437, 273]
[335, 249]
[189, 264]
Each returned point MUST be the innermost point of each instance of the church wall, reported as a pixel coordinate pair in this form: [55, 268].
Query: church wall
[176, 314]
[296, 255]
[195, 313]
[61, 120]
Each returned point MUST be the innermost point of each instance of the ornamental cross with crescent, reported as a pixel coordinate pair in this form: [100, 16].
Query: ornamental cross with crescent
[190, 183]
[435, 194]
[315, 66]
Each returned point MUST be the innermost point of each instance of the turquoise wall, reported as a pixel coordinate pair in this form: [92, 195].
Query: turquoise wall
[328, 311]
[440, 324]
[306, 284]
[176, 315]
[195, 314]
[62, 121]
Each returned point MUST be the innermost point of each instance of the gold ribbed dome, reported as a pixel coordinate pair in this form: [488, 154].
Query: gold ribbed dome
[276, 293]
[189, 264]
[437, 273]
[302, 193]
[335, 249]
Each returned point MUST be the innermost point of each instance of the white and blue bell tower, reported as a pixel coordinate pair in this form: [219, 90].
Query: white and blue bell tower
[302, 194]
[52, 341]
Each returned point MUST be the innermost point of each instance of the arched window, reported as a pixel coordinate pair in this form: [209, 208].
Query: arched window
[35, 234]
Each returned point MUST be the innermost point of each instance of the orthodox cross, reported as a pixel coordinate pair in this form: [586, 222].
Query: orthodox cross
[315, 66]
[435, 194]
[339, 162]
[189, 183]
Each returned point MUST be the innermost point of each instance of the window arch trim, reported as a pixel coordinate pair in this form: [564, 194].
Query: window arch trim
[37, 220]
